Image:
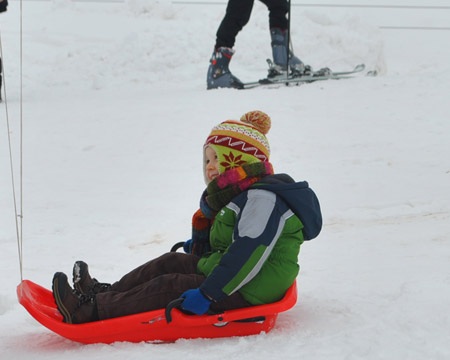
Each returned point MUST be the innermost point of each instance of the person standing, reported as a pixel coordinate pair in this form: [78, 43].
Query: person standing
[236, 17]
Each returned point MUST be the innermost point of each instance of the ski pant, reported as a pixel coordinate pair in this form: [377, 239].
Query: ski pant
[238, 14]
[154, 284]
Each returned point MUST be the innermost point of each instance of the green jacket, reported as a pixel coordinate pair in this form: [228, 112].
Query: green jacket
[276, 274]
[255, 242]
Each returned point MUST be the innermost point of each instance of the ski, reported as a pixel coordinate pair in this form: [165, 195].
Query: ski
[297, 79]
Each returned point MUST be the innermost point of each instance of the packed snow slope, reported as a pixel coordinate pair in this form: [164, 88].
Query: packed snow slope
[115, 113]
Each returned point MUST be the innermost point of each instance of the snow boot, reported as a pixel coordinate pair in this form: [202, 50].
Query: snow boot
[83, 282]
[279, 53]
[75, 308]
[219, 75]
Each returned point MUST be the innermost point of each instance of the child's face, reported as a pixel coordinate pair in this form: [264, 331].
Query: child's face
[212, 164]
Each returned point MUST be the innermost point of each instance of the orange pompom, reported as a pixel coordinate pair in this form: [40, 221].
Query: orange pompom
[258, 119]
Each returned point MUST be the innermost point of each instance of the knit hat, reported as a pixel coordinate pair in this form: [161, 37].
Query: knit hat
[240, 142]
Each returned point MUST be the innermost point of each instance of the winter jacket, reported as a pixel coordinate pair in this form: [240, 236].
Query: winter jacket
[256, 238]
[3, 6]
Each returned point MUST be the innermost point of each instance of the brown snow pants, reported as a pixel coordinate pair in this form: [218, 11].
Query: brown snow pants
[154, 284]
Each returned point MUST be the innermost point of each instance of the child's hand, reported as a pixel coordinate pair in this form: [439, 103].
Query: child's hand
[195, 302]
[187, 247]
[196, 247]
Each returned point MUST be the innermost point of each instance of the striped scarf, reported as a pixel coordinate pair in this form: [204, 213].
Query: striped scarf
[219, 193]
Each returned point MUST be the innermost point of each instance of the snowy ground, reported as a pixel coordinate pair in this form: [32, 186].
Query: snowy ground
[115, 113]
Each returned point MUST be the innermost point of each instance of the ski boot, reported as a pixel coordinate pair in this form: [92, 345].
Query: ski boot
[219, 75]
[279, 53]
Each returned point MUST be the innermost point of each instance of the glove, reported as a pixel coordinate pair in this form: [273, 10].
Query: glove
[196, 247]
[195, 302]
[187, 246]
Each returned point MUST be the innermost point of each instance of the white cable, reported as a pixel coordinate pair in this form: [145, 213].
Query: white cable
[18, 215]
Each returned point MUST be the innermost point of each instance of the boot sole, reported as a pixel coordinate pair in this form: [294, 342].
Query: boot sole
[58, 290]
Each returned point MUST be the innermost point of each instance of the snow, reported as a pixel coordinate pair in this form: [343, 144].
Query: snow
[115, 113]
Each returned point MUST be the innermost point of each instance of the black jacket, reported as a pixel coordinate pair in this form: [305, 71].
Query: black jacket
[3, 5]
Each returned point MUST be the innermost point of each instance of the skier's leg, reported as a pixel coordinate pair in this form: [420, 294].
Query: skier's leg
[278, 10]
[278, 24]
[236, 17]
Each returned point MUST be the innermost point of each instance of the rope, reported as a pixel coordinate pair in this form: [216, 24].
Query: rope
[21, 147]
[18, 214]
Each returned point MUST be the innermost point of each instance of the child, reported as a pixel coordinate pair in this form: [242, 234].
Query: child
[245, 241]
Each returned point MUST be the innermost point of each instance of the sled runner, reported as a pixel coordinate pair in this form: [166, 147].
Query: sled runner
[154, 326]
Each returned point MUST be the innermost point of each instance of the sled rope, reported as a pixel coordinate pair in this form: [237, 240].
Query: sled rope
[18, 205]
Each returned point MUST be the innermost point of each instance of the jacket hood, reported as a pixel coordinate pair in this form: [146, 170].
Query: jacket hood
[300, 198]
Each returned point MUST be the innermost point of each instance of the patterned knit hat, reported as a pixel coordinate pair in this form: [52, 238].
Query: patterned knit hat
[240, 142]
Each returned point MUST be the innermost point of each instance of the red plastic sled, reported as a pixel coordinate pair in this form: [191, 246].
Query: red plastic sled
[152, 325]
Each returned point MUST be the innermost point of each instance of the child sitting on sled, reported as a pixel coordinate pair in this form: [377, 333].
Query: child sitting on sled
[245, 241]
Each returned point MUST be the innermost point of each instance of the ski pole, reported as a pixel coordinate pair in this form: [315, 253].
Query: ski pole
[288, 38]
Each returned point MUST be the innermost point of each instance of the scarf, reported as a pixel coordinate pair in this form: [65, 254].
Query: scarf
[219, 193]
